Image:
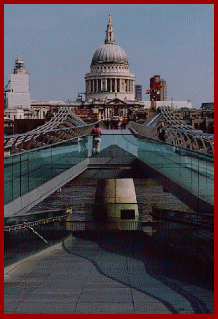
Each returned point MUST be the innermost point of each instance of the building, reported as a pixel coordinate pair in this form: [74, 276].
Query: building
[207, 106]
[18, 101]
[111, 93]
[110, 88]
[162, 93]
[200, 119]
[26, 125]
[203, 119]
[138, 92]
[173, 104]
[163, 90]
[110, 76]
[8, 126]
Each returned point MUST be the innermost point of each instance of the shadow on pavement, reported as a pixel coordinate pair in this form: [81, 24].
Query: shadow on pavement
[139, 262]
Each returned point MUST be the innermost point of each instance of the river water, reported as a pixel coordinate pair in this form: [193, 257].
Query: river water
[80, 194]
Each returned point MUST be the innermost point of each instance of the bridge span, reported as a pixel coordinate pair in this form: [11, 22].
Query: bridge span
[106, 272]
[32, 175]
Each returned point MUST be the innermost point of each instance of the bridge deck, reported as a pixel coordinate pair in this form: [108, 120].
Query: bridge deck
[191, 170]
[108, 274]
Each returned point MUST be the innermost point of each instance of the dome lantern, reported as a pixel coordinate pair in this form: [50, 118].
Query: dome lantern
[109, 33]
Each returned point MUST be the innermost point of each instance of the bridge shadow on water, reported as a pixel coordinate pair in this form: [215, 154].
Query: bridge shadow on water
[149, 267]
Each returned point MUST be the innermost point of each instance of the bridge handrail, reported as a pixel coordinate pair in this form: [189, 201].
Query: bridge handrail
[182, 130]
[44, 147]
[34, 139]
[35, 222]
[172, 129]
[47, 131]
[192, 140]
[192, 153]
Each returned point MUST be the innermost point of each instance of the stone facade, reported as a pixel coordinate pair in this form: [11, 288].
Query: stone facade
[19, 95]
[110, 76]
[18, 103]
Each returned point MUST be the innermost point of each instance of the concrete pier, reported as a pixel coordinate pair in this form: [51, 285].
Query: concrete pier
[116, 202]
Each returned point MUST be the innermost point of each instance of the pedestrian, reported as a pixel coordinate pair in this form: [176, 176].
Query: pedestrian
[161, 130]
[124, 122]
[109, 124]
[96, 133]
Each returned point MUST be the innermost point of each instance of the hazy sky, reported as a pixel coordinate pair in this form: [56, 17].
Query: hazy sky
[57, 42]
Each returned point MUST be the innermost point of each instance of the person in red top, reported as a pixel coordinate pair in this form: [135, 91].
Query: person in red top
[96, 133]
[124, 122]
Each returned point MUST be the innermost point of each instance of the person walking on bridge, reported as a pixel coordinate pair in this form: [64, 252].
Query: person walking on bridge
[124, 122]
[96, 133]
[161, 130]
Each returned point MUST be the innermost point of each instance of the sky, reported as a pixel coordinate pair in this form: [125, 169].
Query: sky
[57, 42]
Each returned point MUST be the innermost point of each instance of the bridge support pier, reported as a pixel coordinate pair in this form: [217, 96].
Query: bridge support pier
[116, 203]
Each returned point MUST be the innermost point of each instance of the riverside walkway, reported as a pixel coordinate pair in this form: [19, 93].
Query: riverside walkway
[108, 273]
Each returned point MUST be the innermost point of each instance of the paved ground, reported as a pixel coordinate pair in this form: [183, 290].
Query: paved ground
[108, 273]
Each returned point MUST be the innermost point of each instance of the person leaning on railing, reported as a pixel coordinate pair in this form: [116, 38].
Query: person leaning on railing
[96, 133]
[161, 130]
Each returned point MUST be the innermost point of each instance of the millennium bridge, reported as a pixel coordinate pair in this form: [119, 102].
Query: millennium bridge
[41, 162]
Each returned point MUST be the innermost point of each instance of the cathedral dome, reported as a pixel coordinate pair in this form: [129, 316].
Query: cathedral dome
[110, 52]
[109, 76]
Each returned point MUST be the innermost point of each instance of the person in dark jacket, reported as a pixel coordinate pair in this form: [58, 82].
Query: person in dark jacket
[161, 130]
